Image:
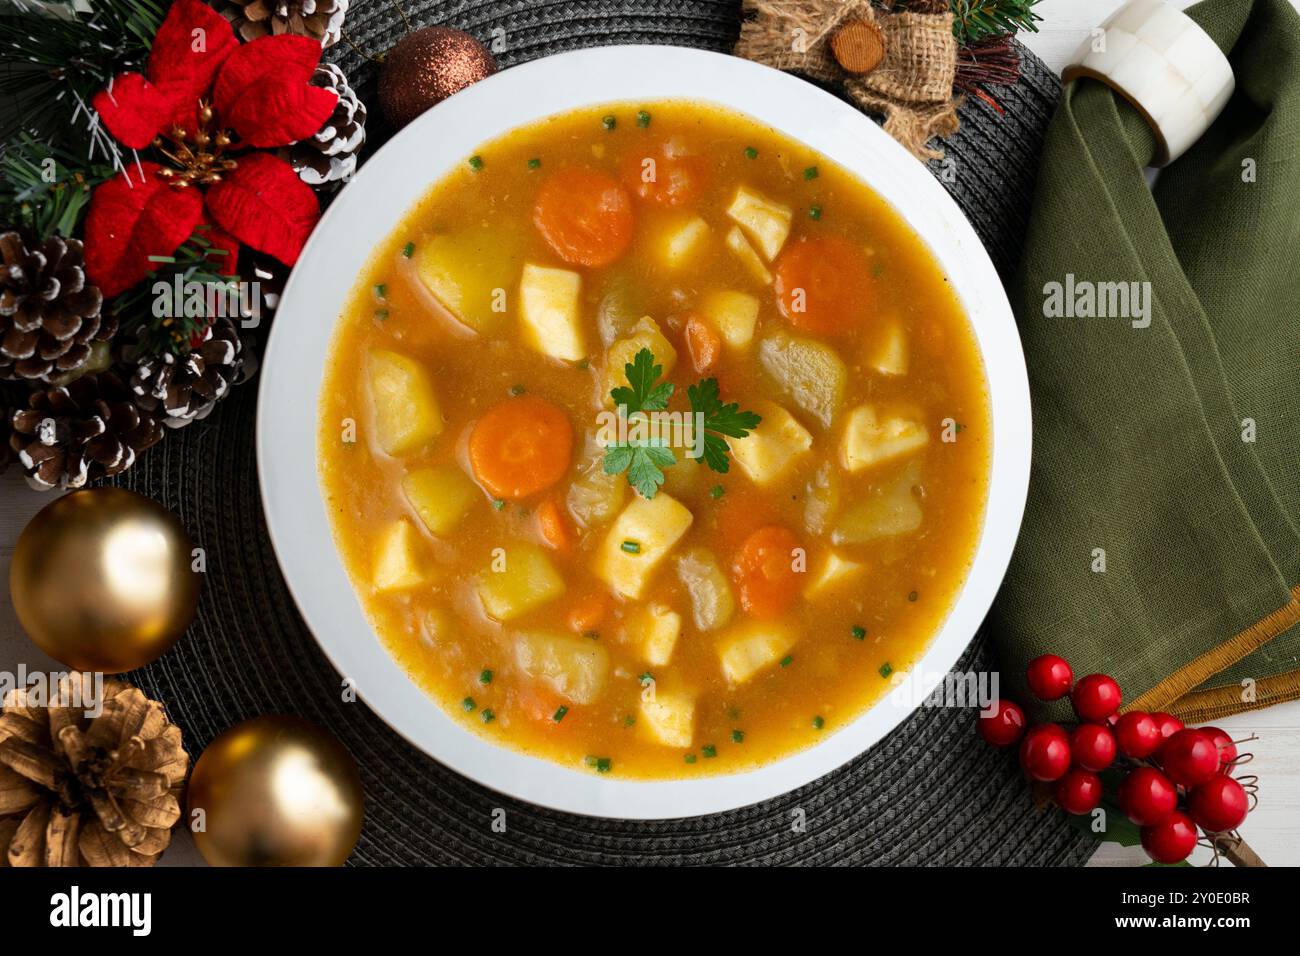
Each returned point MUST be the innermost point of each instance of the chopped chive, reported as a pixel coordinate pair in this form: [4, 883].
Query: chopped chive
[485, 677]
[609, 122]
[737, 736]
[646, 678]
[886, 669]
[787, 661]
[877, 270]
[589, 760]
[912, 596]
[709, 750]
[818, 723]
[516, 390]
[642, 119]
[716, 492]
[631, 547]
[810, 172]
[381, 290]
[476, 163]
[689, 758]
[859, 633]
[469, 705]
[408, 250]
[381, 315]
[591, 635]
[584, 364]
[487, 715]
[629, 720]
[498, 503]
[534, 163]
[751, 152]
[603, 764]
[559, 714]
[814, 212]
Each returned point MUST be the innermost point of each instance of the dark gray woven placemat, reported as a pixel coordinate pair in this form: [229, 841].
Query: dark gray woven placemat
[931, 793]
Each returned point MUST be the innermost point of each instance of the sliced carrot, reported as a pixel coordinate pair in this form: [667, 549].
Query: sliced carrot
[588, 613]
[703, 343]
[537, 703]
[521, 447]
[584, 215]
[821, 284]
[553, 526]
[669, 179]
[764, 572]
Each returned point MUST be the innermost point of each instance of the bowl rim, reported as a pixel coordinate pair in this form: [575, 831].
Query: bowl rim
[367, 210]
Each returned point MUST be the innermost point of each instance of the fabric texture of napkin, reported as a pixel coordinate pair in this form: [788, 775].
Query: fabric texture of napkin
[1161, 542]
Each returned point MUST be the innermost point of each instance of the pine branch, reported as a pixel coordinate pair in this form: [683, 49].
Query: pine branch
[43, 189]
[975, 20]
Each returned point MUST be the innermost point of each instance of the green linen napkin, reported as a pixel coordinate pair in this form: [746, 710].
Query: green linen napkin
[1161, 542]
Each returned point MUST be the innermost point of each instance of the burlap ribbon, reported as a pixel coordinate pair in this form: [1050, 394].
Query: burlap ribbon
[912, 86]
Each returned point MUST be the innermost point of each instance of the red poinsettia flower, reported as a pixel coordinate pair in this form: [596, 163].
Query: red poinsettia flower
[208, 105]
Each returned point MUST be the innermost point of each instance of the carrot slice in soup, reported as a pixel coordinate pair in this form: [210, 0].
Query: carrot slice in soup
[821, 284]
[703, 344]
[553, 526]
[764, 573]
[665, 178]
[584, 215]
[588, 613]
[521, 447]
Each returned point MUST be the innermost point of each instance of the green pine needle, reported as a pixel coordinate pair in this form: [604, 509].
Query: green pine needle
[975, 20]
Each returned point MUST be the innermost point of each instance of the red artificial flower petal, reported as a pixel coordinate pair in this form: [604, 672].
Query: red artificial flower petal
[263, 93]
[191, 44]
[133, 109]
[133, 216]
[264, 204]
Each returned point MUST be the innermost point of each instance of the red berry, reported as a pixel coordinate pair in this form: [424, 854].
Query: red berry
[1227, 749]
[1079, 791]
[1005, 725]
[1092, 746]
[1189, 758]
[1049, 677]
[1171, 841]
[1168, 724]
[1147, 796]
[1138, 735]
[1095, 697]
[1219, 804]
[1045, 752]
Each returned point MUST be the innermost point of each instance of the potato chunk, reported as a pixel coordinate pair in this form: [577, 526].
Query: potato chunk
[889, 356]
[747, 255]
[891, 510]
[645, 335]
[464, 270]
[712, 603]
[576, 668]
[639, 540]
[654, 629]
[527, 580]
[440, 496]
[398, 565]
[765, 221]
[669, 719]
[832, 571]
[752, 647]
[682, 241]
[870, 439]
[548, 311]
[772, 448]
[733, 314]
[810, 372]
[407, 413]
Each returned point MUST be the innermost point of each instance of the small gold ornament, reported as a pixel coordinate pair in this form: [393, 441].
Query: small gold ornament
[275, 791]
[426, 67]
[102, 580]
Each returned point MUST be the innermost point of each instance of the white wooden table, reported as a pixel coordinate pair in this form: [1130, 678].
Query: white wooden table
[1273, 829]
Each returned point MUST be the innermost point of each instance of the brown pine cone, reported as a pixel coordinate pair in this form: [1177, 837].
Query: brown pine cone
[322, 20]
[50, 318]
[81, 791]
[330, 157]
[88, 429]
[185, 388]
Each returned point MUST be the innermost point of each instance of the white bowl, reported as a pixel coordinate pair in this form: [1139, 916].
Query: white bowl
[371, 206]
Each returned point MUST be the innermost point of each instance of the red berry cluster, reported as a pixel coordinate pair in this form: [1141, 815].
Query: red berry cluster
[1162, 761]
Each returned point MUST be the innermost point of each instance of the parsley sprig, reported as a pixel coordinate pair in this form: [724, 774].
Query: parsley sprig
[644, 460]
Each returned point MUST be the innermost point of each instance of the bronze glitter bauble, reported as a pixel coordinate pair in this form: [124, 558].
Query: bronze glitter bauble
[428, 66]
[103, 580]
[275, 791]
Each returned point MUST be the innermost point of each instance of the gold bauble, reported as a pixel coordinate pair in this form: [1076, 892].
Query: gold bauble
[275, 791]
[426, 67]
[102, 580]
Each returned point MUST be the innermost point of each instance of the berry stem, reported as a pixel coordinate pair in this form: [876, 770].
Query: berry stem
[1236, 849]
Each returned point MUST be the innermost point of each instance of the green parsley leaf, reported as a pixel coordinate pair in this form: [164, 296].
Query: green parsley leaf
[643, 395]
[719, 419]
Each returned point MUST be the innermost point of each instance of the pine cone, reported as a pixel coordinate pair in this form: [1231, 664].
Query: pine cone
[89, 429]
[182, 389]
[330, 156]
[77, 791]
[49, 316]
[322, 20]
